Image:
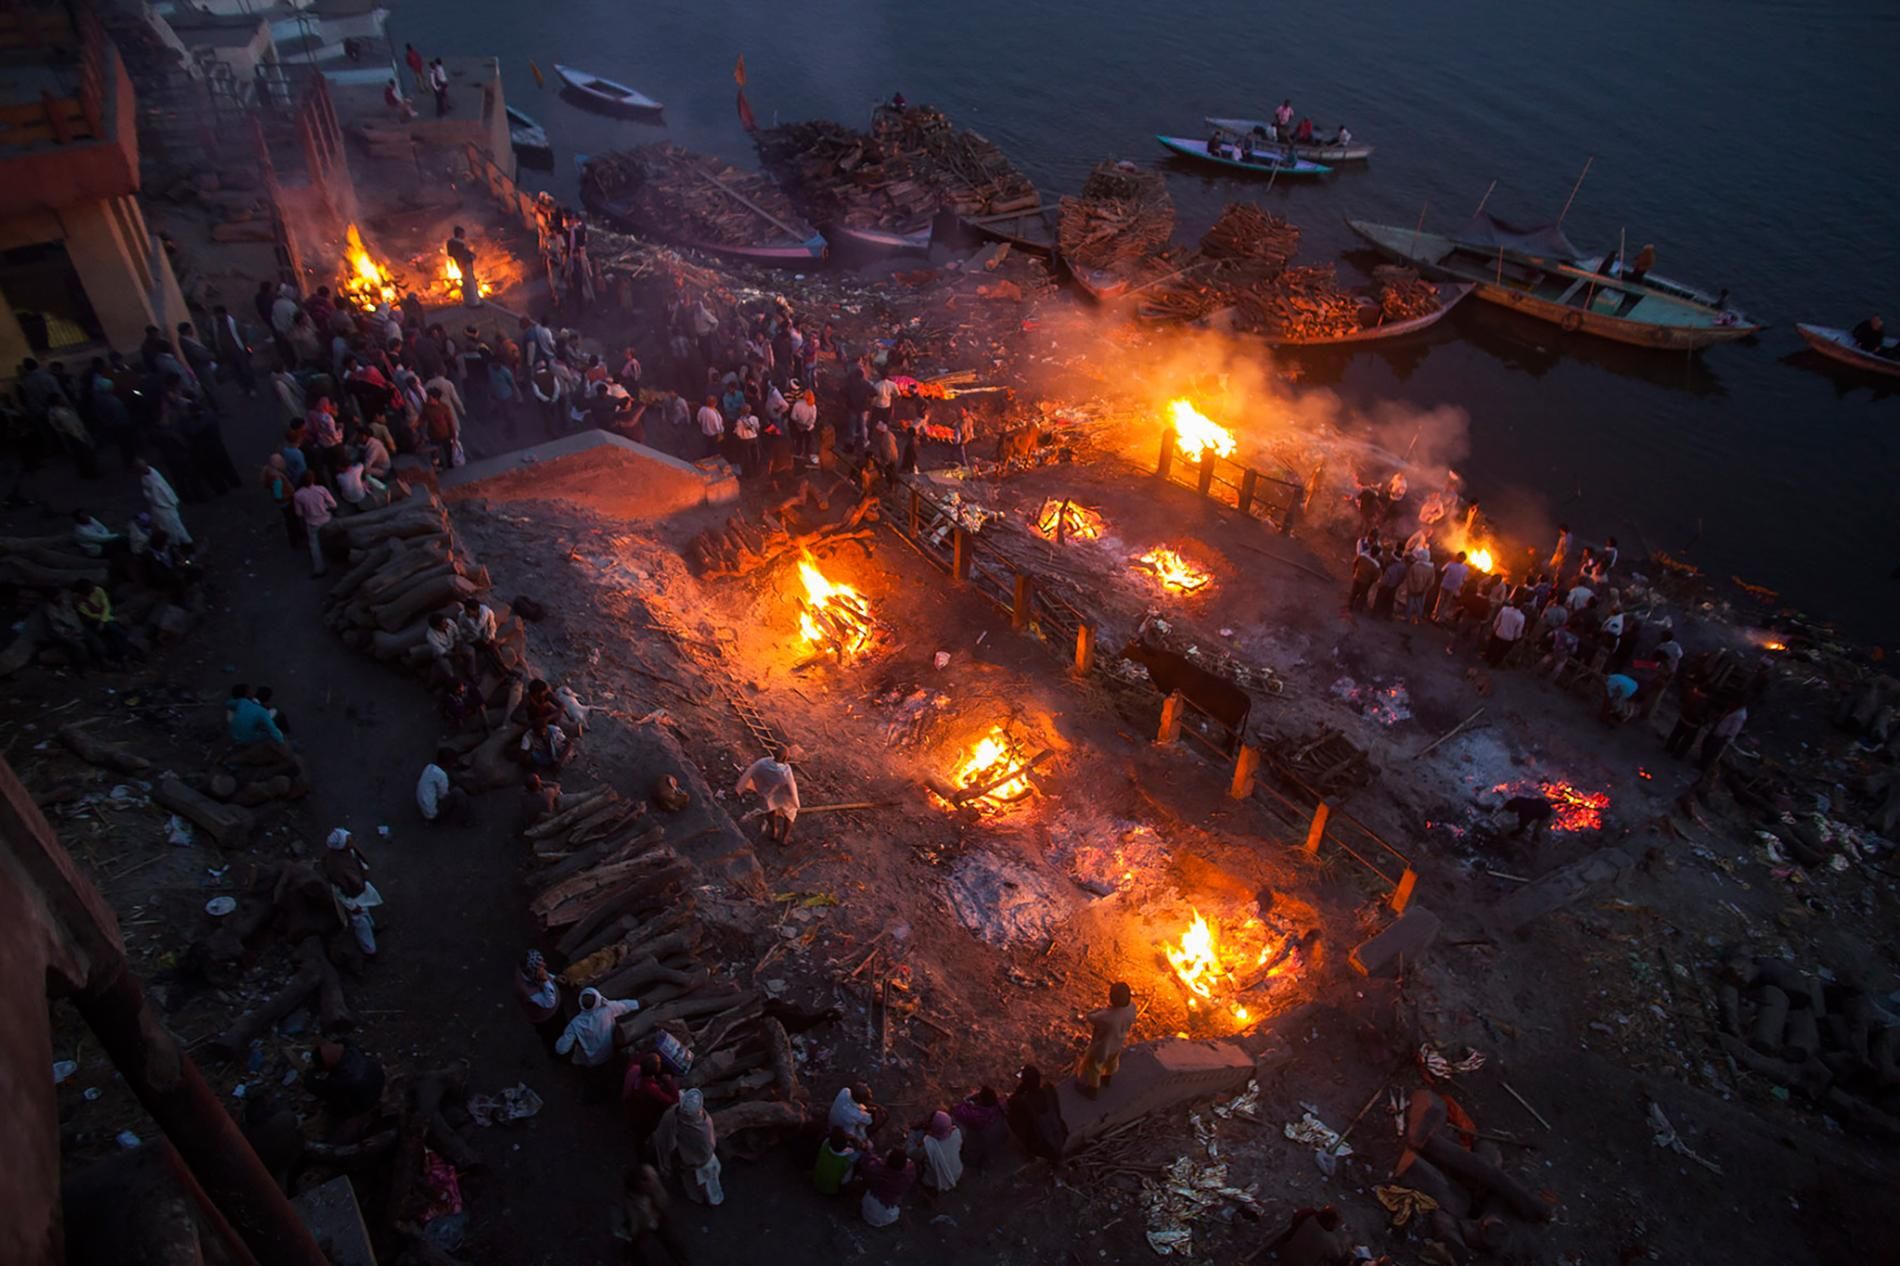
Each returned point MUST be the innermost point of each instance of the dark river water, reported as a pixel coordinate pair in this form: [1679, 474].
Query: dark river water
[1753, 142]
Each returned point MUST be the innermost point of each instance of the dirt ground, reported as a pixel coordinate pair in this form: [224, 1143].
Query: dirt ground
[998, 929]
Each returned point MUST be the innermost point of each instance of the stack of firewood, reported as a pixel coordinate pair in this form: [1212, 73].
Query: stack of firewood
[673, 191]
[45, 565]
[1300, 303]
[621, 901]
[1123, 215]
[741, 546]
[407, 566]
[1244, 231]
[1403, 295]
[973, 175]
[841, 176]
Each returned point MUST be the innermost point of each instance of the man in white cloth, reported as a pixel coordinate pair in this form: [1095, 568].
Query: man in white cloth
[589, 1037]
[773, 779]
[162, 502]
[685, 1139]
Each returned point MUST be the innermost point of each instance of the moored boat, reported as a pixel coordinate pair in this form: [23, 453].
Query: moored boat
[1535, 282]
[671, 194]
[605, 94]
[1320, 151]
[1230, 155]
[1450, 294]
[529, 138]
[1110, 231]
[1840, 345]
[874, 237]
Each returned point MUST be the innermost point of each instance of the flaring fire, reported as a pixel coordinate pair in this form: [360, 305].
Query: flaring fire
[1173, 571]
[991, 757]
[832, 617]
[1214, 973]
[367, 282]
[1063, 520]
[452, 280]
[1195, 432]
[1572, 808]
[1480, 559]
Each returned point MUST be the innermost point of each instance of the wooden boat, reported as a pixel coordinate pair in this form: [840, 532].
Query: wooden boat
[1227, 154]
[872, 237]
[605, 94]
[1319, 151]
[1839, 345]
[1450, 295]
[670, 194]
[530, 138]
[1561, 294]
[1110, 231]
[1026, 228]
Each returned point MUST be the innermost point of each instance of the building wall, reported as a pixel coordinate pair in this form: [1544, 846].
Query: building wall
[127, 276]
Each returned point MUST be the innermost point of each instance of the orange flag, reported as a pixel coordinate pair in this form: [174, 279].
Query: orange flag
[746, 120]
[738, 71]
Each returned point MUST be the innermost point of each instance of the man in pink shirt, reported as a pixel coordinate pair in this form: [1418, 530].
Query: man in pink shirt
[316, 507]
[326, 436]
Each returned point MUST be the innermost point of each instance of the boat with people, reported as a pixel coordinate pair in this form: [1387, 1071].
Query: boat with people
[671, 194]
[529, 138]
[1319, 150]
[606, 94]
[1524, 269]
[1239, 154]
[1841, 345]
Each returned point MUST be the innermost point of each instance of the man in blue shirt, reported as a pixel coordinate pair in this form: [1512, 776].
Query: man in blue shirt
[250, 722]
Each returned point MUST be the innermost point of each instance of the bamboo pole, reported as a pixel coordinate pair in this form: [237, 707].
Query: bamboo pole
[1574, 188]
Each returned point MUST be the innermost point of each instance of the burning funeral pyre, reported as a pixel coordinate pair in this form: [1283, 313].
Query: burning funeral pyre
[1061, 519]
[1195, 432]
[833, 619]
[1217, 967]
[1172, 572]
[367, 282]
[1572, 808]
[992, 775]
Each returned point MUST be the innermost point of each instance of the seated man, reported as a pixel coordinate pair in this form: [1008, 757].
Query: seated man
[105, 633]
[449, 657]
[66, 630]
[438, 799]
[545, 747]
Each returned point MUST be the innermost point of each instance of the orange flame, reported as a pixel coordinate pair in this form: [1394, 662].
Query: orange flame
[1199, 963]
[994, 754]
[1173, 571]
[369, 283]
[1076, 522]
[1195, 432]
[1480, 559]
[832, 615]
[452, 279]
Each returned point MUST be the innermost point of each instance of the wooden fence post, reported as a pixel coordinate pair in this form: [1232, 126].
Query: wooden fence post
[1246, 761]
[1019, 607]
[959, 555]
[1206, 484]
[1402, 895]
[1247, 484]
[1171, 709]
[1166, 462]
[1292, 512]
[1084, 649]
[1317, 830]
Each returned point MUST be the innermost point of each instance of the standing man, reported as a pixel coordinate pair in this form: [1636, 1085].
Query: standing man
[712, 427]
[1365, 573]
[458, 249]
[805, 428]
[773, 779]
[439, 85]
[413, 59]
[234, 352]
[1451, 583]
[316, 507]
[1419, 578]
[1506, 629]
[1561, 552]
[162, 502]
[1108, 1034]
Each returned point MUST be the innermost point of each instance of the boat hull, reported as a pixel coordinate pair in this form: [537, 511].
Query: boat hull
[890, 240]
[1354, 152]
[605, 94]
[1511, 287]
[1839, 345]
[1197, 150]
[1450, 295]
[785, 254]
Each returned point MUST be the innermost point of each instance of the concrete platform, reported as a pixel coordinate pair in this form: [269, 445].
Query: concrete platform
[597, 469]
[1154, 1077]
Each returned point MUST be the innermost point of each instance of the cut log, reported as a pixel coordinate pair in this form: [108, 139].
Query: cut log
[1449, 1155]
[644, 1021]
[255, 1022]
[353, 578]
[95, 751]
[783, 1063]
[630, 972]
[743, 1087]
[420, 559]
[490, 765]
[446, 591]
[431, 1089]
[603, 825]
[731, 1122]
[397, 645]
[606, 852]
[607, 938]
[619, 891]
[573, 807]
[720, 1065]
[596, 878]
[228, 824]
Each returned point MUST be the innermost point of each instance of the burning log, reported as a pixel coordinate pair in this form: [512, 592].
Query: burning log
[1172, 572]
[1061, 519]
[1196, 433]
[833, 618]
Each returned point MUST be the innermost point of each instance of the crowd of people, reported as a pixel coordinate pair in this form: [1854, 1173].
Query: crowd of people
[1567, 623]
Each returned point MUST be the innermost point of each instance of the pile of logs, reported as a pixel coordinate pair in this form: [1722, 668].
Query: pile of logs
[741, 546]
[1832, 1042]
[406, 566]
[973, 176]
[1244, 231]
[1300, 303]
[45, 565]
[673, 192]
[620, 900]
[841, 176]
[1124, 214]
[1403, 295]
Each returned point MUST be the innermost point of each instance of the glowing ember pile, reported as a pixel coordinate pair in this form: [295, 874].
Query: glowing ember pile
[1215, 971]
[1195, 432]
[1063, 520]
[1480, 559]
[452, 280]
[832, 618]
[1173, 572]
[991, 757]
[365, 281]
[1573, 808]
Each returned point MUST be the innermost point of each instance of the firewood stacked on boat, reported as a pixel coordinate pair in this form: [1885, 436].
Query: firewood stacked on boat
[842, 176]
[974, 176]
[1403, 294]
[1245, 232]
[1123, 215]
[695, 197]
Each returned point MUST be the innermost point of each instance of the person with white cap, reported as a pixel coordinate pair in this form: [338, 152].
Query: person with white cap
[588, 1039]
[348, 872]
[685, 1138]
